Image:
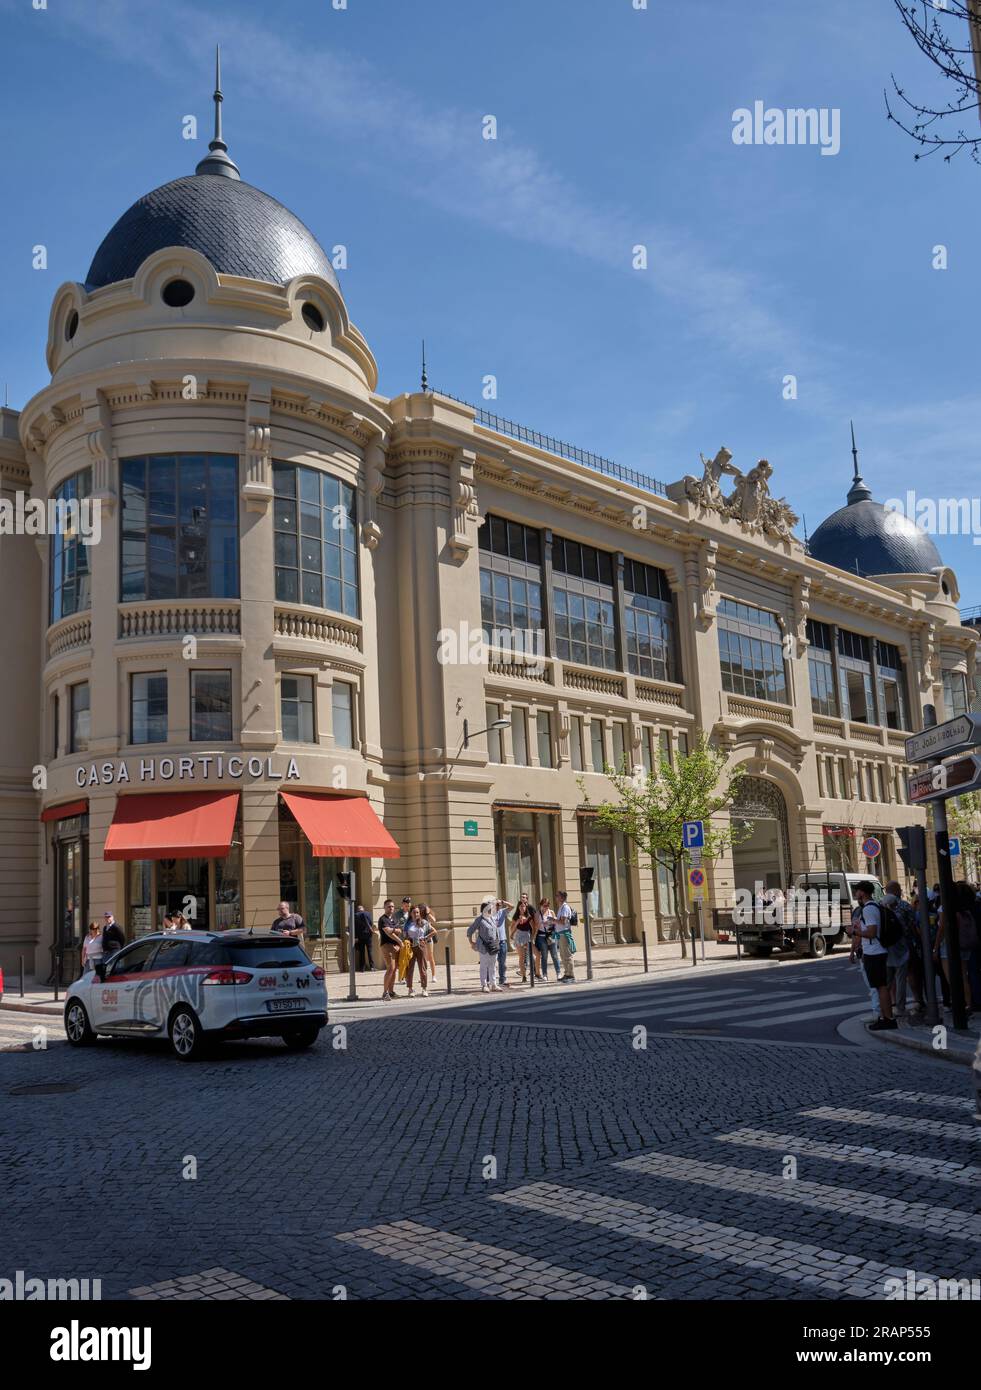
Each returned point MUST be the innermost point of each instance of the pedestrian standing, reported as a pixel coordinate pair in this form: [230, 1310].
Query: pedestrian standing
[898, 954]
[364, 934]
[288, 923]
[415, 934]
[565, 921]
[390, 938]
[484, 936]
[113, 936]
[501, 909]
[92, 948]
[545, 943]
[522, 932]
[430, 937]
[868, 925]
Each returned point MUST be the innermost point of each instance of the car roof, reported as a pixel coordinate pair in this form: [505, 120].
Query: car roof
[239, 934]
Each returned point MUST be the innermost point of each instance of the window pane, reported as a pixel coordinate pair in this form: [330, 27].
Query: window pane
[342, 705]
[211, 706]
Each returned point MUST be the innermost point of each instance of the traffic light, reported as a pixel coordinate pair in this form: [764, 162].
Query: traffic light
[344, 886]
[912, 846]
[586, 879]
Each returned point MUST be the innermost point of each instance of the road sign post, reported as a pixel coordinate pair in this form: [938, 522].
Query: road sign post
[944, 740]
[587, 878]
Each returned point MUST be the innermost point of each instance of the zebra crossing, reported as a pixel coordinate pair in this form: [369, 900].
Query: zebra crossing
[717, 1212]
[755, 1004]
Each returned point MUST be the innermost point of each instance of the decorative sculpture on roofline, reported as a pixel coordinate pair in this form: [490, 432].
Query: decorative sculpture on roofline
[750, 503]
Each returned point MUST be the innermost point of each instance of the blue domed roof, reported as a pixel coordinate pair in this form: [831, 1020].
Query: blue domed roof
[238, 228]
[865, 537]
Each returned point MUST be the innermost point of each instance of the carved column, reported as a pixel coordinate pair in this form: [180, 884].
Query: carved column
[257, 488]
[465, 512]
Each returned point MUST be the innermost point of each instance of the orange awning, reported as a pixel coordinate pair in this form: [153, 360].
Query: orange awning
[66, 809]
[172, 825]
[339, 827]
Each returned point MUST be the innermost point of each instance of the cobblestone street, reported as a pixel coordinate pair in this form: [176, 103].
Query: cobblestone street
[434, 1158]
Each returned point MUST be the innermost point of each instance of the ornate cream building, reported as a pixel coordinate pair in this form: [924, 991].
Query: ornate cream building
[263, 663]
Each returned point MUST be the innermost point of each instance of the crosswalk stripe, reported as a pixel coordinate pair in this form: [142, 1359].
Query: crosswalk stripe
[873, 1120]
[857, 1154]
[916, 1216]
[489, 1269]
[804, 1015]
[560, 1000]
[19, 1032]
[728, 1012]
[788, 1260]
[649, 1004]
[925, 1098]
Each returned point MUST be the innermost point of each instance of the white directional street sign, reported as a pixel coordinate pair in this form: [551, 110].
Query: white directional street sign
[946, 779]
[943, 740]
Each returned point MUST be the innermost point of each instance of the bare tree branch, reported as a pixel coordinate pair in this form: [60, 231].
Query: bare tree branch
[948, 32]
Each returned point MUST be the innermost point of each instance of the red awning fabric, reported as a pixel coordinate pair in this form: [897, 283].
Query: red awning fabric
[339, 827]
[172, 825]
[66, 809]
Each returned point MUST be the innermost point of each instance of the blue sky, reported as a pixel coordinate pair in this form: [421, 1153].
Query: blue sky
[513, 257]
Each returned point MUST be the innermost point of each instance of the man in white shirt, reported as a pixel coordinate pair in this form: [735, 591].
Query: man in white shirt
[866, 927]
[563, 931]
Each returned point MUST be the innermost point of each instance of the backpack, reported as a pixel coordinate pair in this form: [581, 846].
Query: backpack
[487, 931]
[890, 928]
[574, 919]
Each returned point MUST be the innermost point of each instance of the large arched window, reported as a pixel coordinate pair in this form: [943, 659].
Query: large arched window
[179, 527]
[70, 580]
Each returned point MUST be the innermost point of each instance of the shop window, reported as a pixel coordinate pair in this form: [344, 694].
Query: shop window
[342, 713]
[81, 718]
[211, 706]
[308, 882]
[297, 708]
[70, 580]
[524, 844]
[543, 722]
[315, 539]
[148, 707]
[751, 652]
[179, 527]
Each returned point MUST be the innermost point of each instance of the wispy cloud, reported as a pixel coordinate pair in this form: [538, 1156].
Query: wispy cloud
[507, 185]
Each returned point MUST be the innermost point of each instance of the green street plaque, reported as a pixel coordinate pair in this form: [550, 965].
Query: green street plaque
[470, 828]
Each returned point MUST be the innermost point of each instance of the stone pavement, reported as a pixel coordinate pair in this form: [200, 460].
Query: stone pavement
[413, 1157]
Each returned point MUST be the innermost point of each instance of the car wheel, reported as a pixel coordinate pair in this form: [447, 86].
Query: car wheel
[77, 1027]
[299, 1038]
[186, 1035]
[819, 944]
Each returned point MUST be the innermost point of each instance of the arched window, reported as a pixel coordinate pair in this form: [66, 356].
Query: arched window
[70, 590]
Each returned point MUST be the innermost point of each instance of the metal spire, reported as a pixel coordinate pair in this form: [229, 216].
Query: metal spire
[859, 490]
[216, 161]
[425, 379]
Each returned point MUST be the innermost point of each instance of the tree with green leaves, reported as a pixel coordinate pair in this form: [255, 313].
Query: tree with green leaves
[964, 818]
[651, 809]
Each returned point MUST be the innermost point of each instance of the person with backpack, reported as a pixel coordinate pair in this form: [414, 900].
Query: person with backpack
[484, 935]
[877, 927]
[909, 917]
[898, 955]
[565, 919]
[364, 934]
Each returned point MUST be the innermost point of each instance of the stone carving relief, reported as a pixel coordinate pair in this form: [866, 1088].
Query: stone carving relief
[257, 488]
[750, 503]
[465, 511]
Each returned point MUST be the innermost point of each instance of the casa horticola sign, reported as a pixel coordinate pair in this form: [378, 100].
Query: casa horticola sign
[204, 767]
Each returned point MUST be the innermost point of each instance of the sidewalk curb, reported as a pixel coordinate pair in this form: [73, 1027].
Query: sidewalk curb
[48, 1009]
[855, 1031]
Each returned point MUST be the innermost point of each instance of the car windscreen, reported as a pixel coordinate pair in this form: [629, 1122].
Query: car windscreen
[265, 955]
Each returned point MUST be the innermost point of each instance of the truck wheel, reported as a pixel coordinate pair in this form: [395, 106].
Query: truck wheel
[819, 944]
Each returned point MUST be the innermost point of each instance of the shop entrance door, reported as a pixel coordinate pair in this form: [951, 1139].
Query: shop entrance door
[71, 903]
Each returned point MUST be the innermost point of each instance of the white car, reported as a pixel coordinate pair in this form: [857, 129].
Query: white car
[197, 988]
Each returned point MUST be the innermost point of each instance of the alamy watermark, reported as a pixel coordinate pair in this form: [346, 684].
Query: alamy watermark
[937, 516]
[795, 125]
[58, 516]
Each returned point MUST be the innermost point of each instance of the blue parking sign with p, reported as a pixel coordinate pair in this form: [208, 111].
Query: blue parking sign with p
[693, 834]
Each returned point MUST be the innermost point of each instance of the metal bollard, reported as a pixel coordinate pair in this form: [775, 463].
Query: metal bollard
[449, 972]
[21, 977]
[643, 942]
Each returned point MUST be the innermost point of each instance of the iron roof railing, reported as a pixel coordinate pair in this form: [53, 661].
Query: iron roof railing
[552, 445]
[971, 615]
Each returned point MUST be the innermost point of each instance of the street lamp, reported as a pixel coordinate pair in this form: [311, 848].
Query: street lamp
[497, 724]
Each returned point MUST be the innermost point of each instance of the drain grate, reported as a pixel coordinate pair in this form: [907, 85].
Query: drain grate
[45, 1088]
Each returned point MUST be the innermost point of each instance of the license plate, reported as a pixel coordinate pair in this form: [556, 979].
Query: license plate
[282, 1006]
